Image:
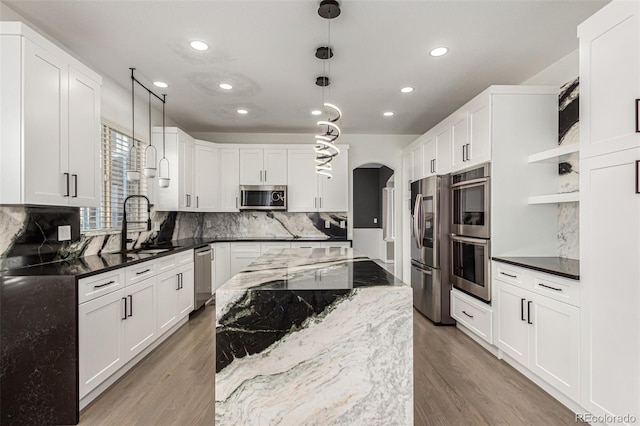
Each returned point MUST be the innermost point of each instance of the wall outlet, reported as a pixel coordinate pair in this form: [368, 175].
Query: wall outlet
[208, 223]
[343, 224]
[327, 224]
[64, 233]
[375, 220]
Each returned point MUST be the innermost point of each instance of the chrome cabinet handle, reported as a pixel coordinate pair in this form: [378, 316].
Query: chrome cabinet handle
[549, 287]
[75, 185]
[104, 285]
[320, 202]
[469, 315]
[265, 175]
[464, 156]
[197, 202]
[468, 151]
[66, 175]
[315, 200]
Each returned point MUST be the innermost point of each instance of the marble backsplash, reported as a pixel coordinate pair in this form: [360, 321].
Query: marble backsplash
[31, 232]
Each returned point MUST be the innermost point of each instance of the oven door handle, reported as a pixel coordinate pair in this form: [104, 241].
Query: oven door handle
[469, 240]
[417, 215]
[470, 182]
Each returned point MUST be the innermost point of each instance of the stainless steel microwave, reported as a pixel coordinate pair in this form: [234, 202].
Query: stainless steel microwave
[262, 197]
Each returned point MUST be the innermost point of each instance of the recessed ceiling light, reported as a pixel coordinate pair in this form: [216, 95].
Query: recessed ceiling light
[388, 114]
[225, 86]
[407, 89]
[316, 112]
[199, 45]
[438, 51]
[242, 111]
[161, 84]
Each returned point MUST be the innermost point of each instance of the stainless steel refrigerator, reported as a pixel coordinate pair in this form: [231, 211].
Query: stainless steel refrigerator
[430, 248]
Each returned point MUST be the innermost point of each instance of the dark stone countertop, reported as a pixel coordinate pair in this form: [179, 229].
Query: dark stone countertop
[560, 266]
[314, 269]
[86, 266]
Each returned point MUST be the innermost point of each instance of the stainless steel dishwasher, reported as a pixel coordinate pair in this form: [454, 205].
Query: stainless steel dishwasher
[203, 275]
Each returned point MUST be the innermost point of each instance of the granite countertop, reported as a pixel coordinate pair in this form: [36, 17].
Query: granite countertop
[52, 264]
[311, 269]
[560, 266]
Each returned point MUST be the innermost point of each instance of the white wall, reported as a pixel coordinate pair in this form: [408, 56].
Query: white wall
[363, 149]
[558, 73]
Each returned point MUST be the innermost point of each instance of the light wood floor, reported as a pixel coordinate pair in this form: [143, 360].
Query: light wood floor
[456, 383]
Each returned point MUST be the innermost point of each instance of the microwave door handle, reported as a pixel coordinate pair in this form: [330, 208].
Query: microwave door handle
[473, 182]
[468, 240]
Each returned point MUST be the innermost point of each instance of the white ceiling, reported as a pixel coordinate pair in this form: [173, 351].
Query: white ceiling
[266, 50]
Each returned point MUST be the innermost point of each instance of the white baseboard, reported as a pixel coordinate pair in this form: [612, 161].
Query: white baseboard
[88, 398]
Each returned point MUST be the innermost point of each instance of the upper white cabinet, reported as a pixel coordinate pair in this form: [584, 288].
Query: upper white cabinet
[460, 138]
[309, 191]
[50, 114]
[229, 175]
[442, 139]
[610, 79]
[429, 155]
[263, 166]
[207, 178]
[479, 122]
[179, 150]
[417, 158]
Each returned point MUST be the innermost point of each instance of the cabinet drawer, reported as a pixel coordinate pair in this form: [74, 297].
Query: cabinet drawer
[276, 245]
[472, 315]
[245, 248]
[184, 257]
[140, 272]
[166, 263]
[567, 291]
[510, 274]
[98, 285]
[302, 244]
[335, 244]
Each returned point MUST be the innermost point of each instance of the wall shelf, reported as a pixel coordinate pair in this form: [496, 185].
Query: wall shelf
[567, 197]
[552, 155]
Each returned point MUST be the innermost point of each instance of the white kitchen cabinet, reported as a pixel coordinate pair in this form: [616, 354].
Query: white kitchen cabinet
[306, 244]
[479, 113]
[309, 191]
[443, 148]
[473, 315]
[185, 299]
[459, 123]
[179, 150]
[222, 264]
[207, 177]
[50, 113]
[167, 287]
[335, 244]
[417, 159]
[101, 339]
[263, 166]
[274, 245]
[243, 254]
[429, 155]
[229, 178]
[140, 325]
[609, 79]
[537, 330]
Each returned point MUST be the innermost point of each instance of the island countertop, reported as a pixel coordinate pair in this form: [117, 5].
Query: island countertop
[298, 323]
[311, 269]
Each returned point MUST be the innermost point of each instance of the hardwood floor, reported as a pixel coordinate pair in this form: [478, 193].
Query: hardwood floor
[456, 382]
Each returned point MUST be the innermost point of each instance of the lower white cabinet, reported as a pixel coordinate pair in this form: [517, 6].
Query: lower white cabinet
[306, 244]
[116, 326]
[274, 245]
[335, 244]
[475, 316]
[541, 333]
[243, 254]
[222, 264]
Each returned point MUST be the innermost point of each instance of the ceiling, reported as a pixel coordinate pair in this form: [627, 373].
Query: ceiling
[265, 49]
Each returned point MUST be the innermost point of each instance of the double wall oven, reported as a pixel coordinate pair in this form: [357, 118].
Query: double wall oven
[470, 231]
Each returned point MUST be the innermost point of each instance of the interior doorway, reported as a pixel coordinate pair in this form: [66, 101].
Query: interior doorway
[373, 213]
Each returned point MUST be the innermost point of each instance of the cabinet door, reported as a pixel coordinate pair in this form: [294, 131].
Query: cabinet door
[429, 162]
[460, 139]
[609, 79]
[417, 155]
[610, 283]
[302, 184]
[443, 148]
[45, 127]
[84, 140]
[168, 199]
[333, 193]
[222, 259]
[239, 261]
[513, 337]
[275, 167]
[166, 295]
[185, 293]
[187, 201]
[140, 326]
[479, 130]
[229, 179]
[101, 339]
[206, 178]
[554, 342]
[251, 170]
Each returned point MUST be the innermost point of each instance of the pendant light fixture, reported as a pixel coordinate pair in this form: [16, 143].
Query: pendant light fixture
[150, 153]
[325, 147]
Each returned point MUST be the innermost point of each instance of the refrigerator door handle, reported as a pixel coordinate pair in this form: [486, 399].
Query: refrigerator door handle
[417, 217]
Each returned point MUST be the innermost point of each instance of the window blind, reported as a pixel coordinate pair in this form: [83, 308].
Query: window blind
[117, 156]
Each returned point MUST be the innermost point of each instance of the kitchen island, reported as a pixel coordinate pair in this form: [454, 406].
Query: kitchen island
[314, 336]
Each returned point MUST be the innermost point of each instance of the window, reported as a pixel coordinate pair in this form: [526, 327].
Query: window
[115, 156]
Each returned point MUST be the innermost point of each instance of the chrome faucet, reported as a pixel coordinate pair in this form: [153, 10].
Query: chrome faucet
[124, 239]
